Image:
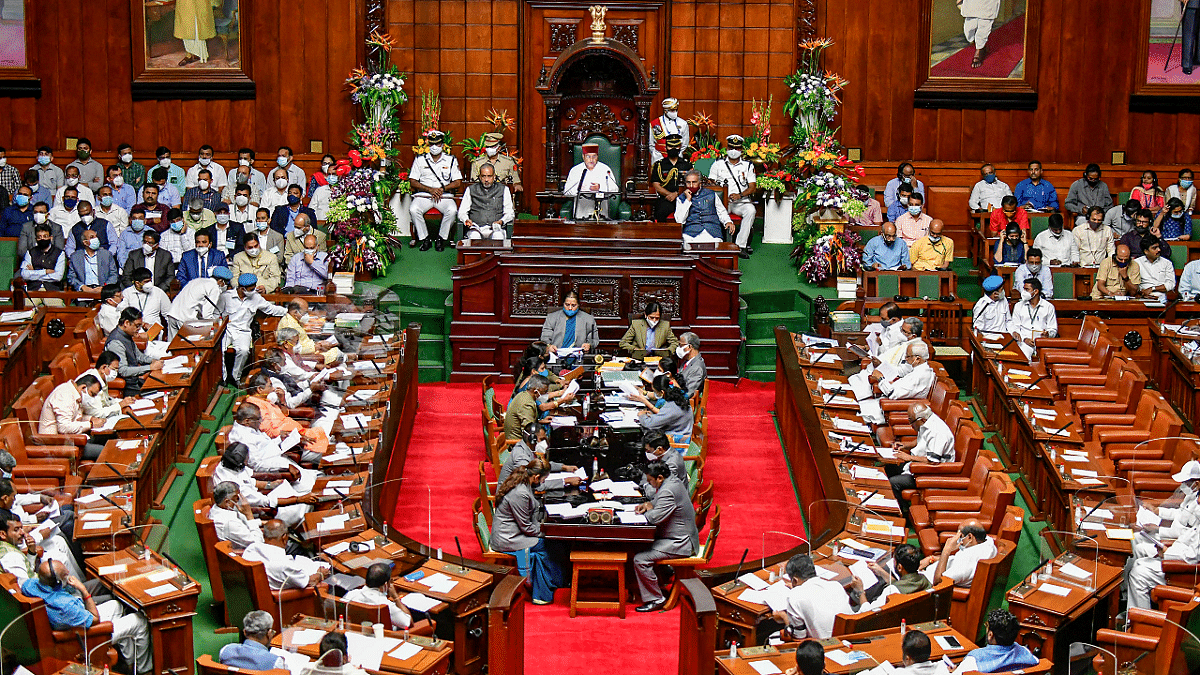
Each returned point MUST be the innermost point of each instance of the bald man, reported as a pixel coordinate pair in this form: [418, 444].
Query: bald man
[284, 570]
[1119, 274]
[308, 270]
[887, 251]
[933, 252]
[960, 556]
[295, 319]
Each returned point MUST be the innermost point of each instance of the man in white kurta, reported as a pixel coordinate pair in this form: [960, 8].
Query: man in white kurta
[1058, 246]
[283, 570]
[978, 16]
[198, 299]
[736, 175]
[960, 556]
[1154, 535]
[990, 314]
[435, 176]
[916, 383]
[587, 178]
[241, 306]
[1033, 318]
[813, 603]
[232, 517]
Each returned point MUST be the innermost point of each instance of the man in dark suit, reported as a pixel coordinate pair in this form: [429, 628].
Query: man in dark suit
[284, 216]
[153, 258]
[675, 534]
[200, 261]
[649, 335]
[226, 237]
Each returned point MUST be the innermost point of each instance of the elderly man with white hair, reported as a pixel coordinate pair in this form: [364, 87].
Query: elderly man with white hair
[692, 371]
[915, 383]
[934, 444]
[255, 652]
[1154, 543]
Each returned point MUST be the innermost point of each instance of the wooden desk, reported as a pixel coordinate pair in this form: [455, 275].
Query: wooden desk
[170, 613]
[136, 462]
[19, 359]
[117, 531]
[1050, 623]
[738, 619]
[432, 660]
[311, 530]
[383, 550]
[468, 602]
[1177, 374]
[597, 532]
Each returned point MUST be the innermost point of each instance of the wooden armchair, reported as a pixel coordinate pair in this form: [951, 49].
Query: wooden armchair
[483, 535]
[946, 514]
[40, 466]
[71, 644]
[968, 439]
[928, 605]
[1154, 475]
[971, 604]
[1120, 443]
[209, 541]
[950, 486]
[1066, 350]
[1121, 399]
[207, 665]
[686, 567]
[28, 409]
[249, 580]
[1141, 415]
[1154, 642]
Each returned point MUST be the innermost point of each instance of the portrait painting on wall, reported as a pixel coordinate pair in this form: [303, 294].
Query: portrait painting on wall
[1169, 43]
[12, 34]
[190, 48]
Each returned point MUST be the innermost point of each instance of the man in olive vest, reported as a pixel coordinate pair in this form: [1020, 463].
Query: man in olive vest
[487, 206]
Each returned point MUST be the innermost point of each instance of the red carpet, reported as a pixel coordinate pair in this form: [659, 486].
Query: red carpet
[744, 460]
[1155, 74]
[1005, 49]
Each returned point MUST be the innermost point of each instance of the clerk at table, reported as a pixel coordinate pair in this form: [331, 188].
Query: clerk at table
[570, 327]
[675, 534]
[649, 335]
[517, 530]
[524, 408]
[658, 449]
[533, 440]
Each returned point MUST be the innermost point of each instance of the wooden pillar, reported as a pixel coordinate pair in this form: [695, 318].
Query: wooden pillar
[697, 629]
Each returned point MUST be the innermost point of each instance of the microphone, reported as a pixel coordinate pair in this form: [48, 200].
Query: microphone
[1062, 428]
[1176, 301]
[736, 584]
[461, 567]
[183, 337]
[1031, 384]
[1006, 344]
[813, 362]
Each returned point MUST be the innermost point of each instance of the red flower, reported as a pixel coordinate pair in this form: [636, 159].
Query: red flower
[356, 158]
[343, 167]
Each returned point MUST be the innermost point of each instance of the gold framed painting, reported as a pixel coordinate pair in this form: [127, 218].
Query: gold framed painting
[190, 49]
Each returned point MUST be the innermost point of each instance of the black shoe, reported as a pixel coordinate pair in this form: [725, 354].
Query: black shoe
[744, 254]
[749, 249]
[412, 243]
[426, 244]
[440, 245]
[1187, 70]
[652, 606]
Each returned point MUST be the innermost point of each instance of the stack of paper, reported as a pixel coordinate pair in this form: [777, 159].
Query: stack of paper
[867, 473]
[438, 583]
[631, 518]
[331, 523]
[355, 421]
[850, 425]
[419, 602]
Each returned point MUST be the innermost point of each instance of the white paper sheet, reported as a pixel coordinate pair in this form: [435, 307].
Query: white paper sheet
[111, 569]
[160, 590]
[1052, 589]
[1076, 572]
[419, 601]
[765, 667]
[161, 575]
[631, 518]
[753, 581]
[306, 636]
[861, 570]
[405, 651]
[95, 516]
[826, 573]
[96, 525]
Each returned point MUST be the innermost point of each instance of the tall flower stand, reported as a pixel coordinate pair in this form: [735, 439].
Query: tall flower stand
[777, 218]
[399, 205]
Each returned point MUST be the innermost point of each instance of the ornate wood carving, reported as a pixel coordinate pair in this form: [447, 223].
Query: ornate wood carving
[627, 34]
[599, 296]
[534, 294]
[598, 118]
[664, 291]
[562, 35]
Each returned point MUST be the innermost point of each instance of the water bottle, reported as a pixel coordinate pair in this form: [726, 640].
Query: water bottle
[341, 622]
[903, 627]
[733, 650]
[595, 467]
[587, 400]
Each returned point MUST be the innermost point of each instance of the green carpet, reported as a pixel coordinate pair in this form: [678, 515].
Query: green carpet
[425, 269]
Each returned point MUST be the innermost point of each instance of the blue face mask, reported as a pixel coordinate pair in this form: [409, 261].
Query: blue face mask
[177, 226]
[281, 161]
[570, 312]
[293, 200]
[43, 160]
[990, 178]
[69, 203]
[543, 372]
[914, 211]
[21, 200]
[106, 200]
[1185, 183]
[137, 225]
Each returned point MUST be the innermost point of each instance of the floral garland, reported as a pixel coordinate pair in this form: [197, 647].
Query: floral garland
[758, 145]
[823, 251]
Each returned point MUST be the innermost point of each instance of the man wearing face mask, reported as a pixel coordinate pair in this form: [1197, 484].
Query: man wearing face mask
[176, 177]
[586, 179]
[916, 381]
[88, 221]
[293, 243]
[241, 306]
[168, 194]
[650, 335]
[658, 449]
[701, 213]
[1088, 191]
[533, 440]
[487, 207]
[10, 177]
[256, 260]
[666, 178]
[40, 216]
[82, 191]
[1033, 318]
[199, 262]
[1033, 269]
[960, 556]
[1058, 245]
[108, 315]
[198, 300]
[906, 174]
[50, 177]
[233, 518]
[295, 174]
[257, 180]
[64, 213]
[915, 224]
[204, 191]
[284, 218]
[91, 267]
[933, 444]
[276, 195]
[153, 211]
[667, 125]
[150, 300]
[692, 371]
[308, 270]
[736, 175]
[177, 238]
[1141, 227]
[889, 314]
[1119, 218]
[44, 265]
[89, 171]
[505, 165]
[133, 172]
[887, 251]
[434, 176]
[17, 214]
[933, 252]
[107, 209]
[321, 194]
[217, 176]
[102, 405]
[1118, 275]
[991, 314]
[297, 316]
[150, 256]
[989, 191]
[131, 239]
[243, 204]
[225, 234]
[1158, 274]
[39, 192]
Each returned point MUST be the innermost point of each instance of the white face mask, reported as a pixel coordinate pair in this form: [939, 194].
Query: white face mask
[305, 317]
[262, 225]
[253, 252]
[734, 154]
[127, 157]
[542, 446]
[672, 114]
[435, 150]
[681, 351]
[651, 323]
[273, 397]
[118, 181]
[39, 218]
[281, 183]
[147, 249]
[243, 162]
[203, 185]
[164, 162]
[87, 220]
[241, 200]
[205, 161]
[492, 152]
[201, 250]
[310, 251]
[72, 181]
[650, 456]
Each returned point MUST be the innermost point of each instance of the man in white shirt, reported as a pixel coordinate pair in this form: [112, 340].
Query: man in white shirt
[916, 383]
[266, 455]
[257, 179]
[736, 175]
[434, 177]
[916, 648]
[487, 207]
[1095, 242]
[205, 161]
[813, 603]
[1058, 246]
[151, 300]
[989, 191]
[294, 173]
[1158, 273]
[198, 299]
[587, 178]
[990, 314]
[19, 553]
[277, 194]
[232, 517]
[65, 212]
[1033, 269]
[960, 556]
[109, 313]
[1033, 318]
[1189, 281]
[102, 405]
[82, 191]
[283, 570]
[233, 469]
[934, 444]
[875, 332]
[62, 412]
[1180, 540]
[379, 591]
[241, 306]
[177, 238]
[106, 208]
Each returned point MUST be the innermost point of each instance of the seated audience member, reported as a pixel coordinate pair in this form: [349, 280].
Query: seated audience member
[243, 204]
[1010, 249]
[570, 327]
[1035, 193]
[270, 239]
[205, 169]
[934, 444]
[1184, 191]
[671, 513]
[151, 257]
[257, 261]
[152, 210]
[916, 648]
[906, 174]
[28, 238]
[1119, 218]
[294, 241]
[334, 658]
[915, 224]
[1164, 246]
[276, 195]
[45, 265]
[991, 313]
[960, 556]
[107, 209]
[674, 416]
[130, 239]
[899, 207]
[933, 252]
[198, 300]
[104, 230]
[649, 335]
[320, 188]
[308, 270]
[41, 193]
[700, 212]
[102, 405]
[524, 408]
[1033, 317]
[1189, 281]
[283, 217]
[916, 383]
[31, 510]
[692, 370]
[296, 318]
[908, 564]
[887, 251]
[1142, 220]
[1177, 541]
[283, 569]
[168, 190]
[91, 267]
[1157, 271]
[889, 314]
[46, 172]
[533, 443]
[199, 262]
[232, 516]
[1175, 221]
[147, 298]
[810, 659]
[872, 215]
[65, 610]
[124, 193]
[82, 189]
[989, 191]
[487, 207]
[1007, 214]
[435, 177]
[205, 196]
[256, 493]
[240, 306]
[62, 413]
[1058, 245]
[1095, 241]
[1088, 191]
[19, 553]
[1148, 193]
[1002, 654]
[517, 530]
[1033, 269]
[379, 592]
[813, 603]
[1118, 275]
[134, 364]
[254, 653]
[177, 238]
[658, 448]
[14, 216]
[736, 175]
